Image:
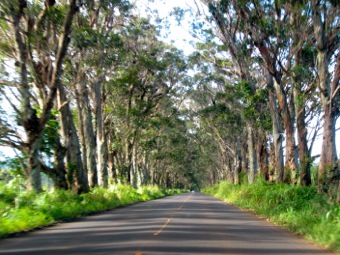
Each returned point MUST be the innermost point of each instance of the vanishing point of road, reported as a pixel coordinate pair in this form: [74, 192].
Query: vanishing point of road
[191, 223]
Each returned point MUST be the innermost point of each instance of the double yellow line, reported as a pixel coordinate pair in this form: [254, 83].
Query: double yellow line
[172, 216]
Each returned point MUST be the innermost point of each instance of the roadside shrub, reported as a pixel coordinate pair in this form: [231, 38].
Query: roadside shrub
[7, 195]
[151, 192]
[27, 210]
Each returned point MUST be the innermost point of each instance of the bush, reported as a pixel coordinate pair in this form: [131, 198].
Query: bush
[25, 211]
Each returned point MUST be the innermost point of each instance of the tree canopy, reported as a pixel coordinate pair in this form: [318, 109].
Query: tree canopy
[92, 93]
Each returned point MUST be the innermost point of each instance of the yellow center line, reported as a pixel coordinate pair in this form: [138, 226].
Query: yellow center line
[161, 229]
[171, 216]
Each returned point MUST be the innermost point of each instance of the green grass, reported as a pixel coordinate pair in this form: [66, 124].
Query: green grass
[26, 211]
[299, 209]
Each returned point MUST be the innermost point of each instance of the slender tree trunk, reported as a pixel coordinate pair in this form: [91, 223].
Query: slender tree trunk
[288, 122]
[303, 151]
[134, 168]
[112, 170]
[244, 162]
[299, 101]
[119, 160]
[127, 167]
[102, 156]
[238, 164]
[88, 137]
[82, 133]
[102, 153]
[77, 176]
[278, 163]
[228, 172]
[328, 93]
[271, 164]
[252, 155]
[60, 181]
[147, 169]
[152, 176]
[263, 156]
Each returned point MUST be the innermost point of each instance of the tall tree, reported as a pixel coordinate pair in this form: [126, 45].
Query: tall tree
[97, 50]
[151, 71]
[271, 38]
[39, 47]
[325, 18]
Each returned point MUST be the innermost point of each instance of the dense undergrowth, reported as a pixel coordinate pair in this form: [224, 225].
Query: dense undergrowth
[299, 209]
[26, 211]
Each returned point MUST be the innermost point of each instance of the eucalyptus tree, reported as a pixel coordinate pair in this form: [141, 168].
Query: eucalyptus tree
[219, 107]
[302, 79]
[97, 52]
[168, 146]
[285, 53]
[35, 36]
[150, 71]
[284, 48]
[263, 26]
[210, 163]
[326, 25]
[225, 28]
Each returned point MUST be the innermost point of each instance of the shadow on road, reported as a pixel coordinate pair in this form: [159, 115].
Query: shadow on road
[185, 224]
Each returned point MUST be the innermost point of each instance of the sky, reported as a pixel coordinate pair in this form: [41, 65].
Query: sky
[177, 35]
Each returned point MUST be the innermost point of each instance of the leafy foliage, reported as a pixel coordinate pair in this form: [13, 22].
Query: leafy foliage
[27, 210]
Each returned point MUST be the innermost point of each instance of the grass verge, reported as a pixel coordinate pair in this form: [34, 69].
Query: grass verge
[20, 212]
[300, 209]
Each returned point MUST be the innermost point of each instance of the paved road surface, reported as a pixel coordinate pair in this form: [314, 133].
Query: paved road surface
[191, 223]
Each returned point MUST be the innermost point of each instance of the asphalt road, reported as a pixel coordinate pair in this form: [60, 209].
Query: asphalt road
[191, 223]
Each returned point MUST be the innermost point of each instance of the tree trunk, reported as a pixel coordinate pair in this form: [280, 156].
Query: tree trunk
[263, 156]
[33, 168]
[88, 137]
[228, 172]
[112, 170]
[102, 155]
[77, 176]
[35, 127]
[252, 155]
[60, 181]
[328, 156]
[145, 171]
[134, 169]
[244, 158]
[327, 165]
[101, 135]
[277, 124]
[238, 164]
[299, 101]
[82, 134]
[303, 151]
[28, 116]
[291, 164]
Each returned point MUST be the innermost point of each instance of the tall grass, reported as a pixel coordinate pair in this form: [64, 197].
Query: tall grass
[299, 209]
[25, 211]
